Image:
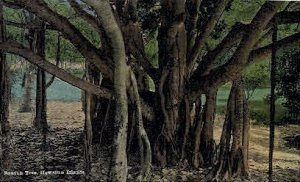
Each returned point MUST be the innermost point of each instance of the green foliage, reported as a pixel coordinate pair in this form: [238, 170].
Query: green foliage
[151, 49]
[12, 32]
[289, 82]
[236, 11]
[254, 77]
[259, 111]
[148, 12]
[63, 8]
[68, 51]
[259, 107]
[260, 116]
[77, 72]
[287, 30]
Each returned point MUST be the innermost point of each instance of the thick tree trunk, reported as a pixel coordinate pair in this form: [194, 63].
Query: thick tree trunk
[197, 159]
[172, 54]
[233, 148]
[4, 103]
[207, 134]
[118, 171]
[186, 118]
[236, 146]
[222, 168]
[134, 44]
[118, 168]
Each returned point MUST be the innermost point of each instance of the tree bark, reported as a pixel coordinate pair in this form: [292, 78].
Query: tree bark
[172, 54]
[118, 167]
[201, 39]
[144, 143]
[233, 148]
[197, 159]
[134, 44]
[207, 133]
[239, 60]
[38, 45]
[186, 121]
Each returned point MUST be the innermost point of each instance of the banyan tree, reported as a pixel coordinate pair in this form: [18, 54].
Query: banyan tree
[170, 122]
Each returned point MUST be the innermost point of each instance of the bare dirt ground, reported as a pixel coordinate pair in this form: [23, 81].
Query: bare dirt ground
[286, 160]
[64, 151]
[60, 115]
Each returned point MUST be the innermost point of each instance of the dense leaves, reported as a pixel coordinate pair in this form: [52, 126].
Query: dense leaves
[254, 77]
[289, 83]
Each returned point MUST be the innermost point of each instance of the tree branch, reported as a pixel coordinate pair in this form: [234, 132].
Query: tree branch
[57, 61]
[118, 168]
[85, 15]
[238, 61]
[69, 31]
[264, 37]
[200, 40]
[193, 7]
[234, 36]
[294, 6]
[18, 49]
[262, 53]
[26, 25]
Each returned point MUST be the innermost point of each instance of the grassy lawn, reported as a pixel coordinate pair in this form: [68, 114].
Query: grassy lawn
[259, 108]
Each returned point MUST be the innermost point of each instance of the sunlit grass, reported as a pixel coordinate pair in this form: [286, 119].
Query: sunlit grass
[258, 105]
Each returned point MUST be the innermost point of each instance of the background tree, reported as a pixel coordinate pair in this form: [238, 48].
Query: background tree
[288, 83]
[255, 77]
